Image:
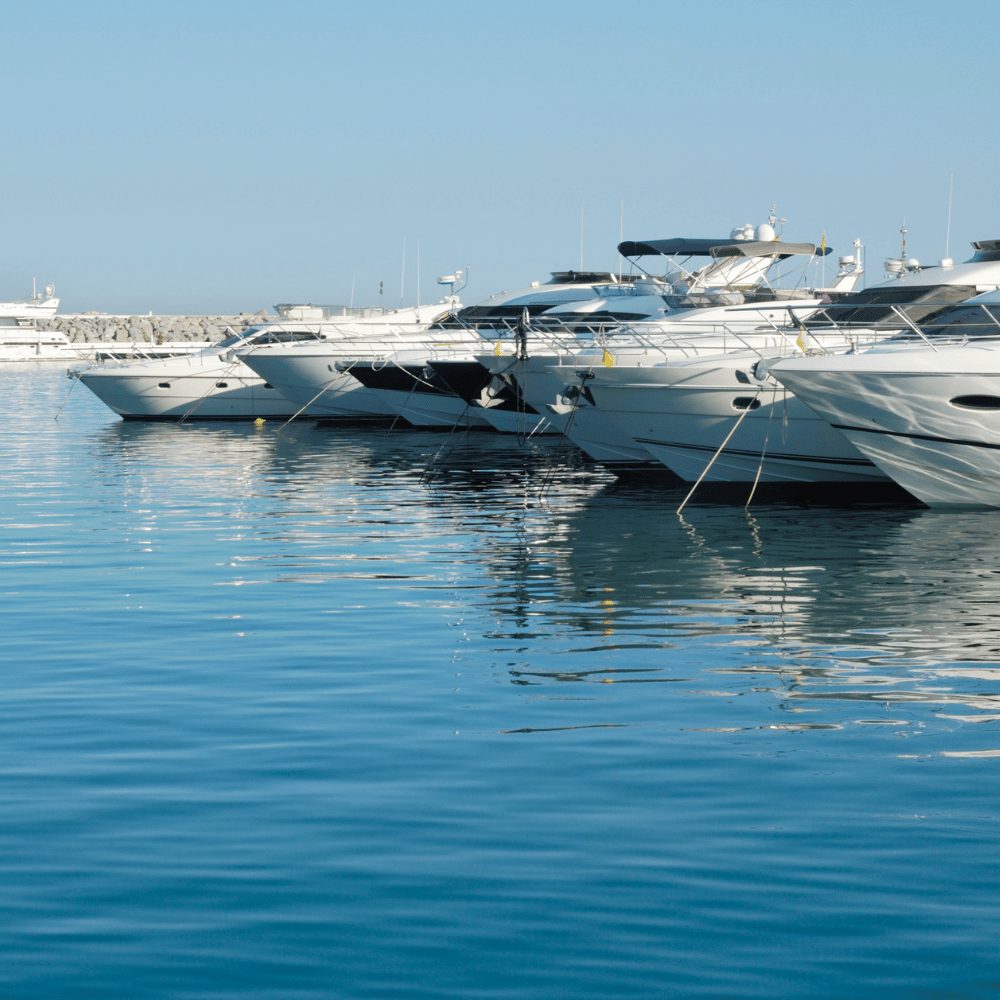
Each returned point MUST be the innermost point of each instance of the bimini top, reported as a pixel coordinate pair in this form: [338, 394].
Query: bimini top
[721, 247]
[680, 246]
[768, 248]
[986, 250]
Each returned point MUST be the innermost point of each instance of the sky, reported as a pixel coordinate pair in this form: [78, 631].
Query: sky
[221, 156]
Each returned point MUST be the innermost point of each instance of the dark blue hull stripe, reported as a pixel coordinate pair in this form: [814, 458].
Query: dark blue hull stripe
[919, 437]
[777, 456]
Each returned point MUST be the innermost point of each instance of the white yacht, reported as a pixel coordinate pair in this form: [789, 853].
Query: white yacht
[713, 318]
[22, 338]
[390, 367]
[447, 386]
[22, 312]
[308, 374]
[720, 417]
[509, 380]
[214, 383]
[923, 407]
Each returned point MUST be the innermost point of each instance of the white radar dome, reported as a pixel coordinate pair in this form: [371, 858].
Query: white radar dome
[766, 233]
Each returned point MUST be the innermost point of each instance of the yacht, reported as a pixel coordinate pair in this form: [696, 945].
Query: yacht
[718, 315]
[446, 386]
[24, 312]
[387, 374]
[722, 417]
[214, 383]
[509, 380]
[923, 407]
[21, 339]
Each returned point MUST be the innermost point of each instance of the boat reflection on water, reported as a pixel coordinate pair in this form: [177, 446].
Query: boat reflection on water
[793, 614]
[840, 616]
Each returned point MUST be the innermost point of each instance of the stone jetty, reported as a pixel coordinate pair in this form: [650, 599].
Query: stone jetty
[102, 327]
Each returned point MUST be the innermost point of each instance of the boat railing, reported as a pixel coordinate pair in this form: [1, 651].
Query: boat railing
[925, 322]
[779, 324]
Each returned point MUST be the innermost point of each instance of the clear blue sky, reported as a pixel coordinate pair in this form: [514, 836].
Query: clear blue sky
[222, 156]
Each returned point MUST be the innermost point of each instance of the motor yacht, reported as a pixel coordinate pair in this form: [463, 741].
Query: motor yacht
[711, 318]
[316, 376]
[391, 367]
[22, 312]
[449, 387]
[923, 407]
[720, 417]
[503, 380]
[21, 338]
[214, 383]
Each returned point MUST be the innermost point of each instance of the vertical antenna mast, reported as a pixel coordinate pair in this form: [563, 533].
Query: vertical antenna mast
[402, 274]
[621, 236]
[418, 273]
[581, 237]
[947, 238]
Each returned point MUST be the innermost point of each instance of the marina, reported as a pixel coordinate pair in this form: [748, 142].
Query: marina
[331, 704]
[500, 502]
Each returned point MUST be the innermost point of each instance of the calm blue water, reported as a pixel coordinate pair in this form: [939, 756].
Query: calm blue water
[313, 713]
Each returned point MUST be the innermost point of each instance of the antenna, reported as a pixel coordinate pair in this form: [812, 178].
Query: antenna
[418, 273]
[621, 236]
[402, 274]
[354, 281]
[947, 238]
[581, 237]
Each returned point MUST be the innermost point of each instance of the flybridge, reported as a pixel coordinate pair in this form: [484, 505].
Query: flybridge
[986, 250]
[684, 247]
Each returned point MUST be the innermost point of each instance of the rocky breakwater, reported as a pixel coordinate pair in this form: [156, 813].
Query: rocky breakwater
[83, 328]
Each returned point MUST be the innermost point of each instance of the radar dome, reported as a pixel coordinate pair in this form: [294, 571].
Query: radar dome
[766, 233]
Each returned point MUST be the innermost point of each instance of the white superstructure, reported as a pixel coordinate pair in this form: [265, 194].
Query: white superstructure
[721, 417]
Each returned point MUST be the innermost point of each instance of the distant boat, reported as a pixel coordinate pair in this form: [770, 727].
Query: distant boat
[26, 312]
[24, 337]
[20, 336]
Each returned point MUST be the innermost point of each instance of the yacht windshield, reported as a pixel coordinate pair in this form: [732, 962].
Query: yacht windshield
[883, 306]
[972, 321]
[267, 335]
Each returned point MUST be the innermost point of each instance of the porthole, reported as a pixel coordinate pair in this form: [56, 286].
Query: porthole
[977, 402]
[746, 403]
[221, 385]
[267, 385]
[163, 385]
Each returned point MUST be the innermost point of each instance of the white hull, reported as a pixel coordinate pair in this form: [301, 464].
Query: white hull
[312, 381]
[599, 436]
[946, 455]
[432, 410]
[206, 396]
[519, 422]
[683, 419]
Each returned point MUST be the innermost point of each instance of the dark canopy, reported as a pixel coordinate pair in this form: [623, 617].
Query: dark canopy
[720, 247]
